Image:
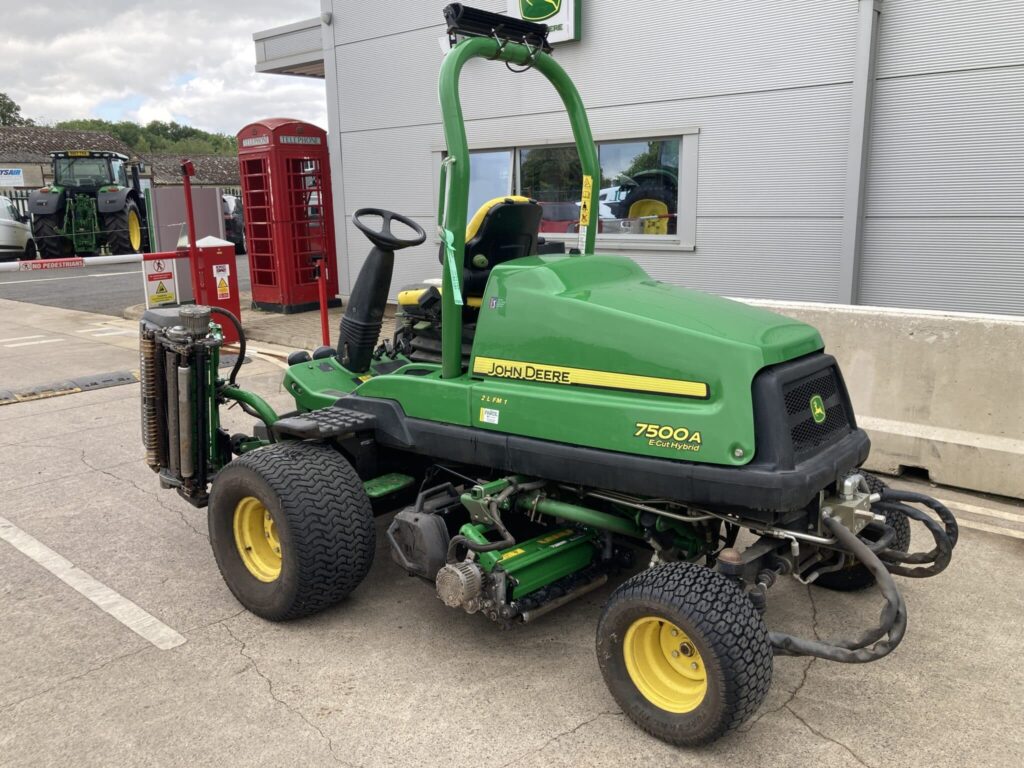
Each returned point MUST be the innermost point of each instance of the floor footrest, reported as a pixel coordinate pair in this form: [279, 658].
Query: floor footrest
[324, 423]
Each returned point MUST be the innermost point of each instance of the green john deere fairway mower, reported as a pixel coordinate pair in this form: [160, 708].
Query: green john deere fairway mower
[543, 421]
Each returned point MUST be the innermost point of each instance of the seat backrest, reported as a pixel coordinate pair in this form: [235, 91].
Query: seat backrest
[503, 229]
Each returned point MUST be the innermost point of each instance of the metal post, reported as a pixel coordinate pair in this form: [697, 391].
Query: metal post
[862, 90]
[187, 171]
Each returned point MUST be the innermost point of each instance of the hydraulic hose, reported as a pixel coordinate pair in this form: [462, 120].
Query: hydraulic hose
[241, 340]
[493, 506]
[870, 645]
[945, 535]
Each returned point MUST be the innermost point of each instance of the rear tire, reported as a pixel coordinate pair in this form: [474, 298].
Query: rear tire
[318, 518]
[30, 252]
[713, 682]
[124, 230]
[855, 576]
[50, 243]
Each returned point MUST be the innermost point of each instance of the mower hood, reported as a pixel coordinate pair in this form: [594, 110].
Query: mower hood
[606, 313]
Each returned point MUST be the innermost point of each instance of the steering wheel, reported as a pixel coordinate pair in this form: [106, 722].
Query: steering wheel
[384, 239]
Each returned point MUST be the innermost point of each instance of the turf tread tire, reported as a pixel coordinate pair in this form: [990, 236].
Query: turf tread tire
[324, 519]
[856, 577]
[727, 630]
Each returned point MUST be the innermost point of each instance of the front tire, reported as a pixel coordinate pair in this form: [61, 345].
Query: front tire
[684, 653]
[291, 528]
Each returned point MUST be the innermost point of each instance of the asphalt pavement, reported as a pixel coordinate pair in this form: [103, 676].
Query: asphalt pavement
[106, 289]
[391, 676]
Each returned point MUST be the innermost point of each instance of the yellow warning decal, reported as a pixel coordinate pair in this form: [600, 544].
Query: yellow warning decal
[555, 536]
[557, 374]
[586, 201]
[513, 553]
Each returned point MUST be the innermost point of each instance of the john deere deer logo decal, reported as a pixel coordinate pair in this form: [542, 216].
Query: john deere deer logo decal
[817, 409]
[538, 10]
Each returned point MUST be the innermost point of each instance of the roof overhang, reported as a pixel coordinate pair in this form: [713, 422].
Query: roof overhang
[294, 49]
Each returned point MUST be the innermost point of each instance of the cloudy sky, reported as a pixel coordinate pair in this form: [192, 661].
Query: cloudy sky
[184, 60]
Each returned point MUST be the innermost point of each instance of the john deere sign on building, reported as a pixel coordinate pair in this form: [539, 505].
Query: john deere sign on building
[561, 16]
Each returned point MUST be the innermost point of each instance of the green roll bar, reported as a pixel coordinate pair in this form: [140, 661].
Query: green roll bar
[454, 193]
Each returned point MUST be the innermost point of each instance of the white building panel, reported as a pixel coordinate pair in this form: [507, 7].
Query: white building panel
[945, 35]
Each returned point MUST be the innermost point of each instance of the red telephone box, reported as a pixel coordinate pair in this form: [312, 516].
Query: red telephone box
[289, 224]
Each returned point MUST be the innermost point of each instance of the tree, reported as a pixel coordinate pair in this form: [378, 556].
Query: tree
[551, 173]
[159, 137]
[10, 112]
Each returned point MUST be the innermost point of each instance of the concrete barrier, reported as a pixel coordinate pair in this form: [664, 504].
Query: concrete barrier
[939, 391]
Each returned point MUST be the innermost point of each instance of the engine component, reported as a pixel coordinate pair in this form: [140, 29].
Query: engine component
[419, 542]
[460, 585]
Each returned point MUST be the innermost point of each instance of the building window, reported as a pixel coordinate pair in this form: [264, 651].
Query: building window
[647, 187]
[639, 187]
[490, 176]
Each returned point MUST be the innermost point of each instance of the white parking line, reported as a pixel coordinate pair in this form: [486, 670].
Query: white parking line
[114, 332]
[20, 338]
[985, 511]
[30, 343]
[121, 608]
[1014, 534]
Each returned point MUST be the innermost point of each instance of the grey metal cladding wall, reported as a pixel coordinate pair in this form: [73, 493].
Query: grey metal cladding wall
[293, 43]
[412, 265]
[943, 35]
[968, 265]
[712, 48]
[945, 184]
[391, 168]
[779, 258]
[362, 20]
[948, 144]
[770, 184]
[767, 86]
[777, 153]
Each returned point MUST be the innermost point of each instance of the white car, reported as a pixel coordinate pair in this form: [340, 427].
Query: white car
[15, 233]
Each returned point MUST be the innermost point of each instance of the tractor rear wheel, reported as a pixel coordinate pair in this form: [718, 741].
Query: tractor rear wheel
[684, 653]
[855, 576]
[291, 528]
[50, 243]
[124, 230]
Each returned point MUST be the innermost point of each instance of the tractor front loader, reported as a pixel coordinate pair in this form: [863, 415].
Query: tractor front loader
[95, 200]
[540, 424]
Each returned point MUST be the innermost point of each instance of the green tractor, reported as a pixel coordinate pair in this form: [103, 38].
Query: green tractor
[542, 423]
[95, 200]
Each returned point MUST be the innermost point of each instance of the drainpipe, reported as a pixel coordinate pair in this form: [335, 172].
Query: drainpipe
[862, 88]
[337, 165]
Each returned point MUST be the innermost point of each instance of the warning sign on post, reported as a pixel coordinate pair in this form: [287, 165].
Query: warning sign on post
[221, 272]
[161, 282]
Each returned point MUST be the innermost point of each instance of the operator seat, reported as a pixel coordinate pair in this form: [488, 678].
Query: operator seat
[503, 229]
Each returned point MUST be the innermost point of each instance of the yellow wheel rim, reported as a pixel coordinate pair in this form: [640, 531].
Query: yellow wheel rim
[257, 540]
[134, 230]
[665, 665]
